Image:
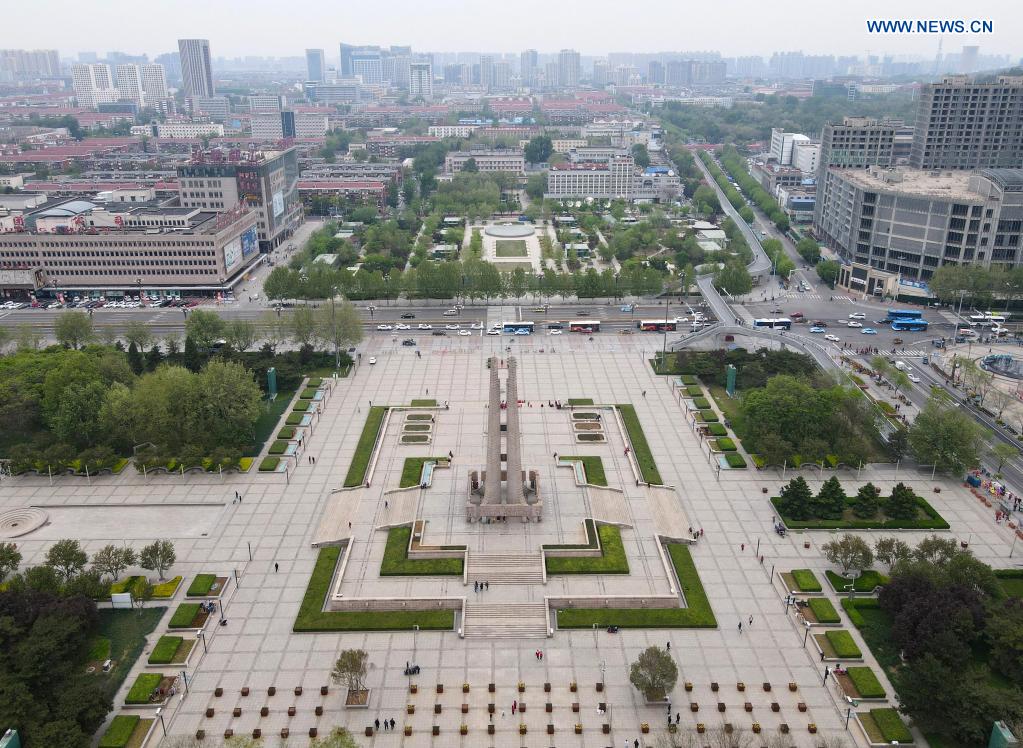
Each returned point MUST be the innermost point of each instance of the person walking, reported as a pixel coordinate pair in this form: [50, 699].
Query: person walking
[668, 647]
[277, 567]
[751, 620]
[376, 723]
[740, 628]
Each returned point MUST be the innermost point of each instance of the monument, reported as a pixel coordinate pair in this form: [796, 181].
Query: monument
[508, 491]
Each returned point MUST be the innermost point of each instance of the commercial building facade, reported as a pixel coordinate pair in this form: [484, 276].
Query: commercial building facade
[486, 161]
[613, 178]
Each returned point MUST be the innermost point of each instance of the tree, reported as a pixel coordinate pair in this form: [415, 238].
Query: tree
[640, 155]
[945, 437]
[338, 326]
[849, 552]
[158, 556]
[898, 443]
[222, 406]
[538, 149]
[113, 559]
[142, 591]
[654, 673]
[138, 332]
[795, 499]
[936, 551]
[302, 326]
[470, 166]
[827, 271]
[193, 358]
[67, 558]
[1004, 631]
[733, 279]
[10, 557]
[868, 501]
[73, 329]
[536, 186]
[902, 503]
[809, 250]
[135, 360]
[1004, 452]
[339, 738]
[830, 500]
[205, 328]
[280, 284]
[240, 334]
[27, 337]
[889, 551]
[351, 668]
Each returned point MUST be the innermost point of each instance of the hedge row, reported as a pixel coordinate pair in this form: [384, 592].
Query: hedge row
[843, 644]
[806, 580]
[934, 520]
[735, 460]
[865, 682]
[165, 649]
[823, 610]
[364, 449]
[640, 447]
[143, 686]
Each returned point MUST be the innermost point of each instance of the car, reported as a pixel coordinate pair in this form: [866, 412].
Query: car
[450, 312]
[796, 315]
[868, 331]
[816, 329]
[408, 315]
[493, 332]
[424, 326]
[833, 338]
[522, 332]
[372, 360]
[408, 341]
[54, 305]
[476, 326]
[385, 327]
[819, 323]
[555, 332]
[913, 378]
[854, 323]
[438, 332]
[402, 326]
[555, 326]
[464, 333]
[857, 315]
[539, 309]
[450, 327]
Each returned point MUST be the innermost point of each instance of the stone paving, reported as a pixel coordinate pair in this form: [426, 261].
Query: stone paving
[278, 517]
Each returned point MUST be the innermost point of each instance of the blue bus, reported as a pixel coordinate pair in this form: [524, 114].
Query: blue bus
[518, 328]
[909, 325]
[904, 314]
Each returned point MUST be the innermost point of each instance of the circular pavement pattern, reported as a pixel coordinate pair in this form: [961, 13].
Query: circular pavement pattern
[509, 230]
[21, 521]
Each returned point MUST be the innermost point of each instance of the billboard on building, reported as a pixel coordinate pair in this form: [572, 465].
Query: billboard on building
[250, 242]
[278, 202]
[232, 253]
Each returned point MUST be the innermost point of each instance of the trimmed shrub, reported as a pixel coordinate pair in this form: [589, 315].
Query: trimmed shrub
[119, 732]
[726, 445]
[717, 429]
[269, 464]
[806, 580]
[286, 433]
[701, 402]
[823, 610]
[694, 391]
[294, 419]
[688, 379]
[308, 394]
[278, 447]
[144, 685]
[640, 447]
[201, 585]
[866, 683]
[735, 460]
[314, 382]
[843, 644]
[165, 649]
[853, 607]
[708, 416]
[891, 725]
[184, 616]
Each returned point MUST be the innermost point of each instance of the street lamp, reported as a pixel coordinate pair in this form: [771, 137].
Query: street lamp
[159, 713]
[202, 637]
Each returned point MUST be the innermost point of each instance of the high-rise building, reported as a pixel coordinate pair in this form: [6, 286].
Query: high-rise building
[857, 143]
[528, 67]
[420, 81]
[655, 72]
[196, 67]
[367, 64]
[457, 74]
[502, 75]
[568, 68]
[93, 84]
[154, 83]
[30, 63]
[964, 124]
[601, 73]
[487, 71]
[968, 59]
[128, 79]
[781, 145]
[316, 67]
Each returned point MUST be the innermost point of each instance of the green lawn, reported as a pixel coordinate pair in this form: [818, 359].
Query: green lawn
[842, 642]
[806, 580]
[866, 683]
[412, 470]
[269, 416]
[823, 610]
[126, 632]
[697, 614]
[612, 560]
[580, 401]
[143, 686]
[364, 449]
[1011, 581]
[396, 562]
[201, 585]
[640, 447]
[593, 467]
[184, 615]
[312, 617]
[511, 248]
[119, 732]
[927, 519]
[269, 464]
[887, 725]
[166, 650]
[865, 582]
[424, 403]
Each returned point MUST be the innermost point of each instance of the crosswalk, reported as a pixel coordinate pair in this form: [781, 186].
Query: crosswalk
[815, 296]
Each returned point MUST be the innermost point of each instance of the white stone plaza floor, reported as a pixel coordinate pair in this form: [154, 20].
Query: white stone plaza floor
[279, 517]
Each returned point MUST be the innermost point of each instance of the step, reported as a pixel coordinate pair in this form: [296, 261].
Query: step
[504, 620]
[506, 568]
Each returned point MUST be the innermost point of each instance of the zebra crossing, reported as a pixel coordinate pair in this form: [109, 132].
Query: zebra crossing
[816, 296]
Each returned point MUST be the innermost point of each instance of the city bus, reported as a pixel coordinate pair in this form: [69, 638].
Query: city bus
[904, 314]
[654, 325]
[518, 328]
[782, 323]
[584, 325]
[909, 325]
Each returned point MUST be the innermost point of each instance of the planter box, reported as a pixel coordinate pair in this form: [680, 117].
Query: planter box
[465, 708]
[792, 687]
[245, 690]
[644, 728]
[408, 730]
[490, 729]
[264, 711]
[271, 691]
[491, 688]
[440, 688]
[575, 706]
[694, 707]
[313, 732]
[605, 728]
[218, 691]
[767, 687]
[298, 690]
[318, 711]
[291, 711]
[324, 690]
[721, 706]
[463, 730]
[578, 729]
[413, 688]
[490, 708]
[236, 712]
[436, 730]
[714, 687]
[549, 707]
[522, 729]
[465, 688]
[546, 687]
[410, 709]
[689, 686]
[740, 686]
[572, 687]
[775, 706]
[436, 708]
[209, 713]
[600, 687]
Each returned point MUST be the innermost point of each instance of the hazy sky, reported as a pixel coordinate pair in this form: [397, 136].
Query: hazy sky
[593, 27]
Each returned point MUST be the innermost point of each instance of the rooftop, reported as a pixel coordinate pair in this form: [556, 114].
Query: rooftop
[944, 184]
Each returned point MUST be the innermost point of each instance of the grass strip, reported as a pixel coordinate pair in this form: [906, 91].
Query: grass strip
[867, 581]
[364, 449]
[805, 580]
[119, 732]
[611, 561]
[269, 464]
[697, 614]
[183, 616]
[312, 617]
[165, 649]
[201, 585]
[396, 562]
[893, 729]
[593, 468]
[424, 403]
[580, 401]
[143, 686]
[842, 642]
[412, 470]
[640, 447]
[823, 610]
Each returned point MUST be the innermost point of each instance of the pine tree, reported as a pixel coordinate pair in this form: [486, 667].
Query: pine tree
[868, 501]
[193, 359]
[902, 504]
[830, 502]
[795, 499]
[135, 358]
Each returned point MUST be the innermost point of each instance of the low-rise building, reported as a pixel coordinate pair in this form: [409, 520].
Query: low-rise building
[486, 161]
[452, 131]
[614, 178]
[180, 130]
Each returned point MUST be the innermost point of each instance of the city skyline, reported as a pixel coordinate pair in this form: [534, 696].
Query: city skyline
[647, 27]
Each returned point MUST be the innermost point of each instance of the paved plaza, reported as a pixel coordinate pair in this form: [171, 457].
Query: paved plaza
[280, 517]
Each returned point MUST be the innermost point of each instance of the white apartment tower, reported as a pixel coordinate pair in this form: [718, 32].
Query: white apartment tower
[196, 67]
[129, 83]
[568, 68]
[420, 81]
[154, 83]
[93, 84]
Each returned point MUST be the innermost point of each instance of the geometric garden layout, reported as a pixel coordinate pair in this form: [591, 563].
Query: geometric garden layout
[371, 545]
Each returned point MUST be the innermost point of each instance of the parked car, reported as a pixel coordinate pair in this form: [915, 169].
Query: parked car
[385, 327]
[408, 341]
[372, 359]
[464, 333]
[867, 331]
[424, 326]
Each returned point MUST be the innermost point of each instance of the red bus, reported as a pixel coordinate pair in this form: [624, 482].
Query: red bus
[584, 325]
[653, 325]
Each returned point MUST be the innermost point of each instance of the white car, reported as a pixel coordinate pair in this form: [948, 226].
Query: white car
[522, 332]
[832, 338]
[385, 327]
[464, 333]
[555, 332]
[854, 323]
[476, 326]
[401, 326]
[373, 359]
[424, 326]
[913, 378]
[857, 315]
[450, 327]
[493, 332]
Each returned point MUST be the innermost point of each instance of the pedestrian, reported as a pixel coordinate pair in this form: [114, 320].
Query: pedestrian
[451, 455]
[349, 525]
[701, 532]
[740, 627]
[392, 723]
[277, 567]
[239, 497]
[751, 620]
[536, 654]
[515, 706]
[475, 586]
[376, 723]
[488, 584]
[822, 655]
[669, 646]
[541, 655]
[742, 547]
[678, 718]
[386, 504]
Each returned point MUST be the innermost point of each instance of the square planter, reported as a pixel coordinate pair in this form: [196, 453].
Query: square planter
[271, 690]
[740, 686]
[410, 709]
[298, 690]
[721, 706]
[600, 687]
[324, 690]
[228, 733]
[767, 687]
[440, 688]
[463, 730]
[605, 728]
[313, 732]
[549, 707]
[572, 687]
[550, 729]
[264, 711]
[748, 706]
[811, 728]
[714, 687]
[701, 728]
[369, 731]
[291, 711]
[209, 713]
[775, 706]
[490, 708]
[465, 688]
[783, 728]
[575, 706]
[436, 708]
[578, 729]
[546, 687]
[522, 687]
[644, 728]
[522, 728]
[245, 690]
[491, 688]
[408, 730]
[218, 691]
[413, 688]
[236, 712]
[792, 687]
[490, 729]
[200, 734]
[694, 707]
[318, 711]
[436, 730]
[756, 727]
[729, 729]
[689, 686]
[522, 707]
[465, 708]
[801, 706]
[257, 734]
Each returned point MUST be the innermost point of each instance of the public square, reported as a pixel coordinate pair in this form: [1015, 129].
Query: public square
[280, 517]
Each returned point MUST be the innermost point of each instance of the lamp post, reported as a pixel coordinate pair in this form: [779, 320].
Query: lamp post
[159, 713]
[333, 325]
[202, 637]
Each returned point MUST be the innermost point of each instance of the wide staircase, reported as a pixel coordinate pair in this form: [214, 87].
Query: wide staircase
[506, 568]
[504, 621]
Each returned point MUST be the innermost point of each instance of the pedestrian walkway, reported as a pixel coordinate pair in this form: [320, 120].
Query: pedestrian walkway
[669, 516]
[609, 505]
[505, 620]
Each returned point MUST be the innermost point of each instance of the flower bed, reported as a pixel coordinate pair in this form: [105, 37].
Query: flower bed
[166, 590]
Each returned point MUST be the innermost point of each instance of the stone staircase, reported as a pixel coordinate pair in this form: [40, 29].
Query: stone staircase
[504, 621]
[506, 568]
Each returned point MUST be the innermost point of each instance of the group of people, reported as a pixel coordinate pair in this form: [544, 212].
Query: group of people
[411, 669]
[480, 586]
[388, 724]
[696, 534]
